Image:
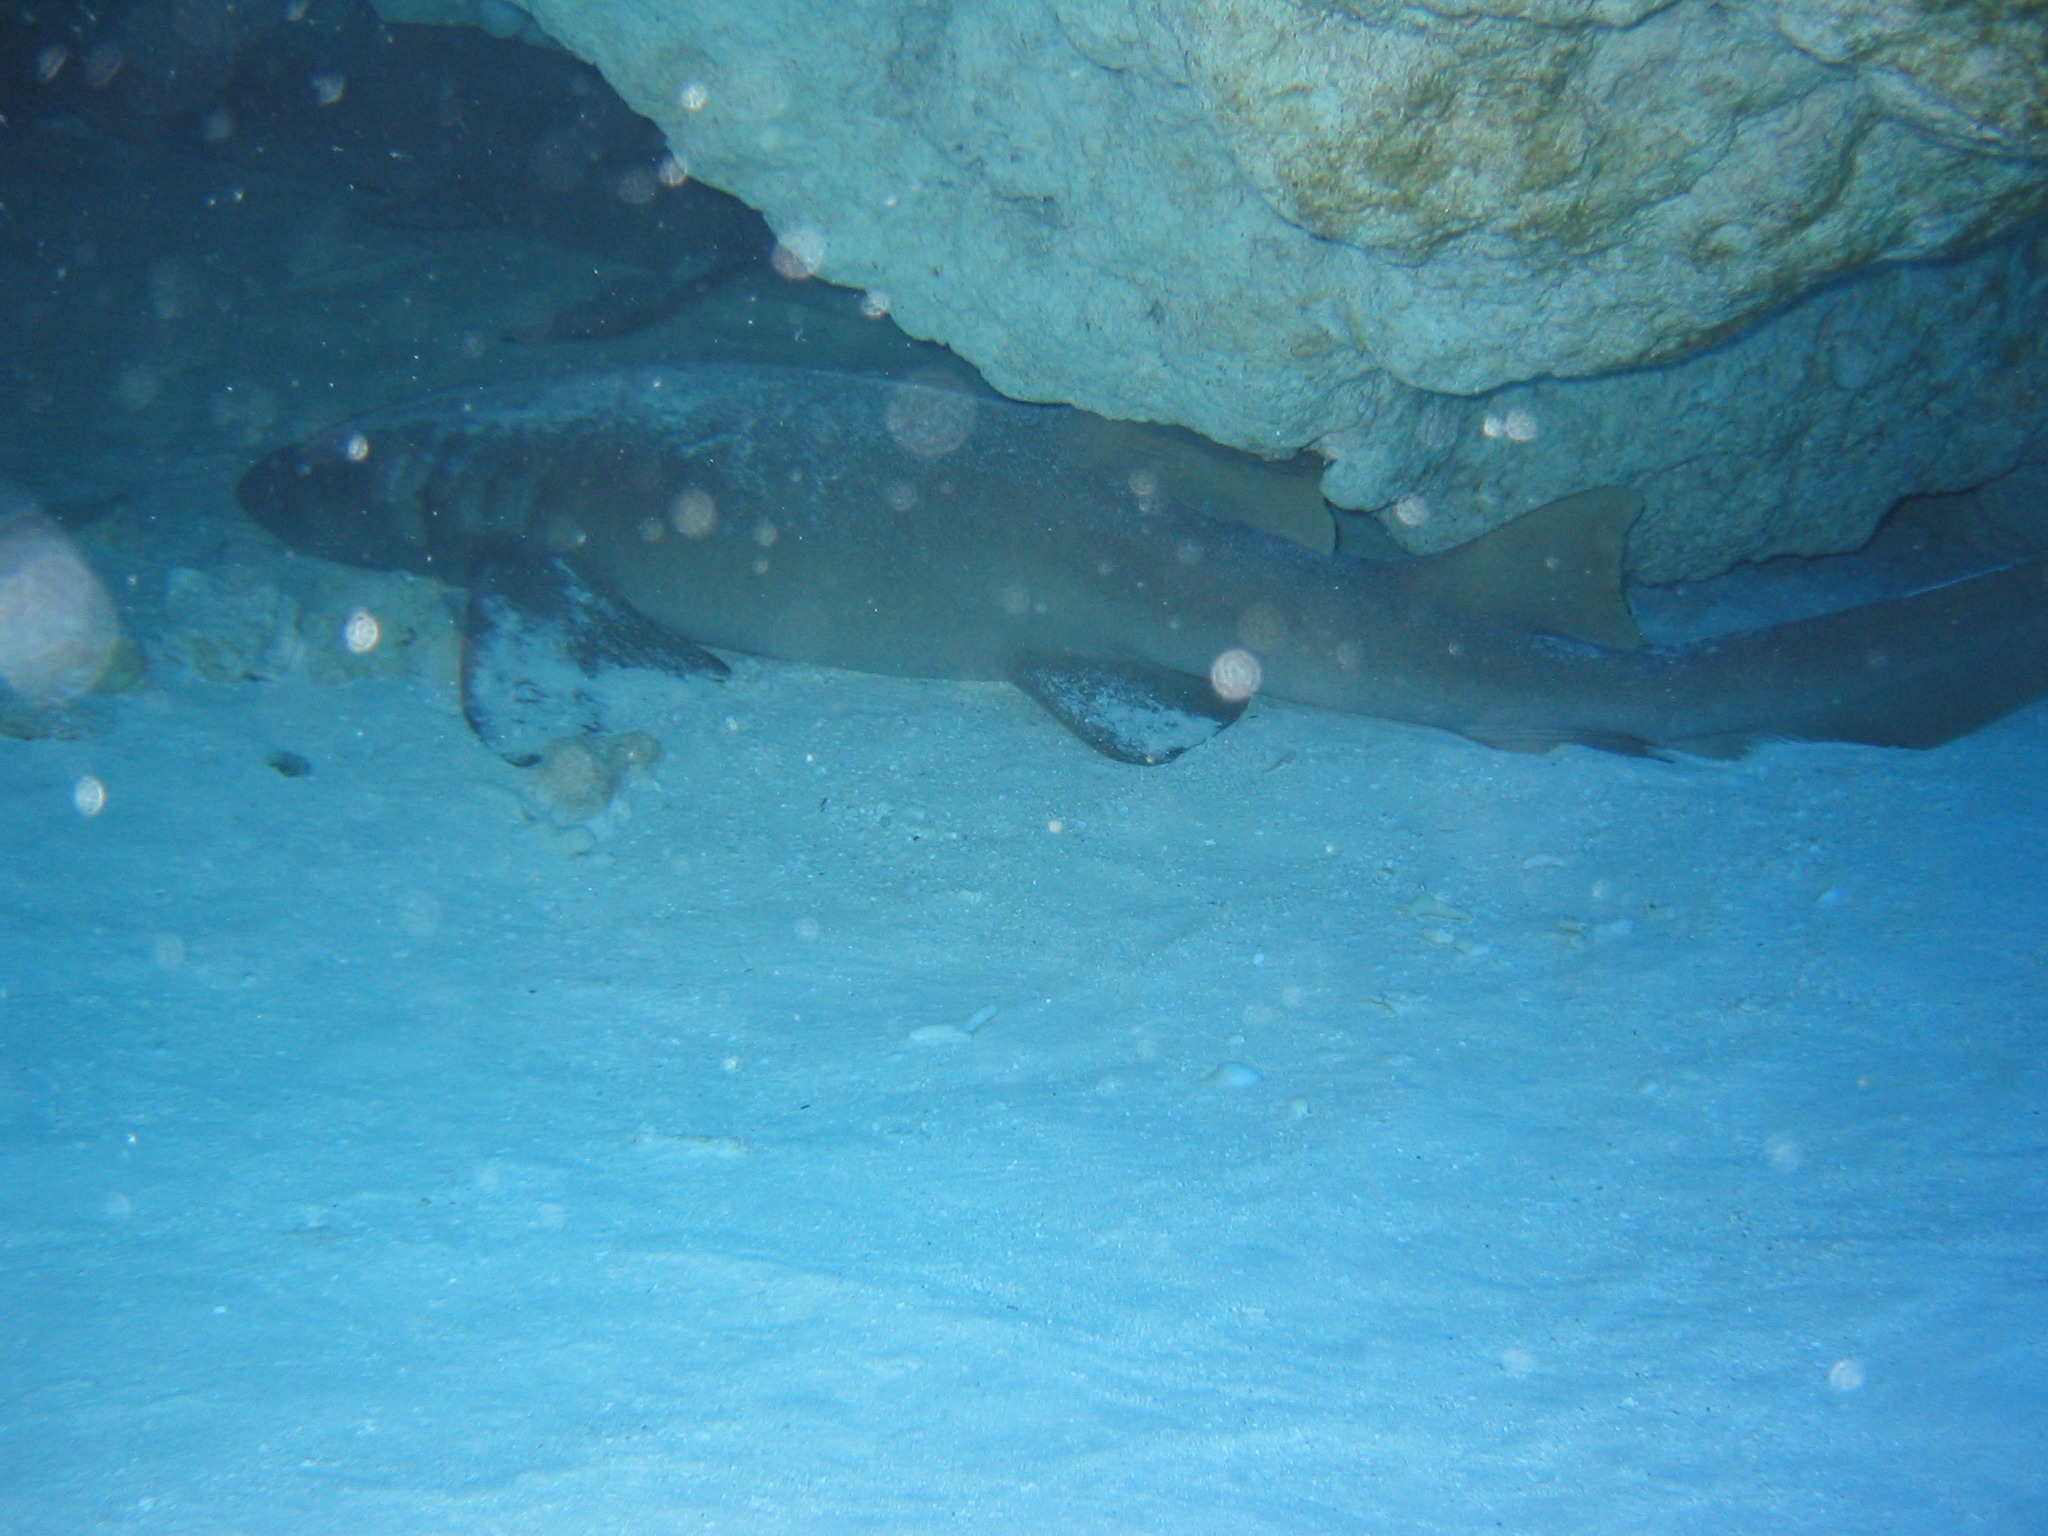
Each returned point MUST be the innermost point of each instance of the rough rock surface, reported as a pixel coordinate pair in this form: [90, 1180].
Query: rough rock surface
[1794, 438]
[1280, 222]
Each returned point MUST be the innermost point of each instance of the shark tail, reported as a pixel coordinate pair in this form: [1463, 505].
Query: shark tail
[1915, 671]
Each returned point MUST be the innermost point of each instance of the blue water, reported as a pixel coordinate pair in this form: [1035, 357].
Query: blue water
[1372, 1132]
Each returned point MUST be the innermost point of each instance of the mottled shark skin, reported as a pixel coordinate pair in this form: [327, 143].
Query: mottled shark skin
[890, 527]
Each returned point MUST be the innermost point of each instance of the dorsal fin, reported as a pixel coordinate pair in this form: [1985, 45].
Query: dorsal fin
[1280, 497]
[1555, 571]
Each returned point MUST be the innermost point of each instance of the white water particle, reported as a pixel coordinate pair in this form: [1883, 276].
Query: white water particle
[362, 633]
[1236, 675]
[694, 515]
[799, 253]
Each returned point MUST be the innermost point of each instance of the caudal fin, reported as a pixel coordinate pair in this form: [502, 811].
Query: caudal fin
[1912, 672]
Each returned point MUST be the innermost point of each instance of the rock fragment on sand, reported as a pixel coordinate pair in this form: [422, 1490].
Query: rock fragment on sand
[580, 776]
[58, 628]
[1236, 1074]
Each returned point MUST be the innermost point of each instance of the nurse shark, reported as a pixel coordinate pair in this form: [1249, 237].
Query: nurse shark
[636, 517]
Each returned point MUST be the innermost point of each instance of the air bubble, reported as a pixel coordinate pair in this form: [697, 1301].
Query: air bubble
[362, 632]
[799, 253]
[102, 64]
[927, 422]
[166, 295]
[1262, 627]
[89, 796]
[638, 186]
[695, 515]
[1236, 675]
[1517, 426]
[138, 386]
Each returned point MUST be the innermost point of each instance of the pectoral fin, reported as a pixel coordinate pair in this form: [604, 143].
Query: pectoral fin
[536, 636]
[1126, 710]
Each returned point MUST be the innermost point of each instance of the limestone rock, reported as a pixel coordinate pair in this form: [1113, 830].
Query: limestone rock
[1795, 438]
[355, 623]
[58, 628]
[226, 631]
[327, 623]
[1286, 223]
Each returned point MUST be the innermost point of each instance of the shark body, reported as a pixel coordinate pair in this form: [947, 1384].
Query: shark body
[891, 527]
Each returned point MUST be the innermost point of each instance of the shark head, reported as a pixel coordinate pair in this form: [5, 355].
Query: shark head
[330, 495]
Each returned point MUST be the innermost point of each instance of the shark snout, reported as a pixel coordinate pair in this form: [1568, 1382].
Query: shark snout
[324, 500]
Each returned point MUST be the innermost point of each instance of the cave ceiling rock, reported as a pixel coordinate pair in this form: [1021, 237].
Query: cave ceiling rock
[1363, 226]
